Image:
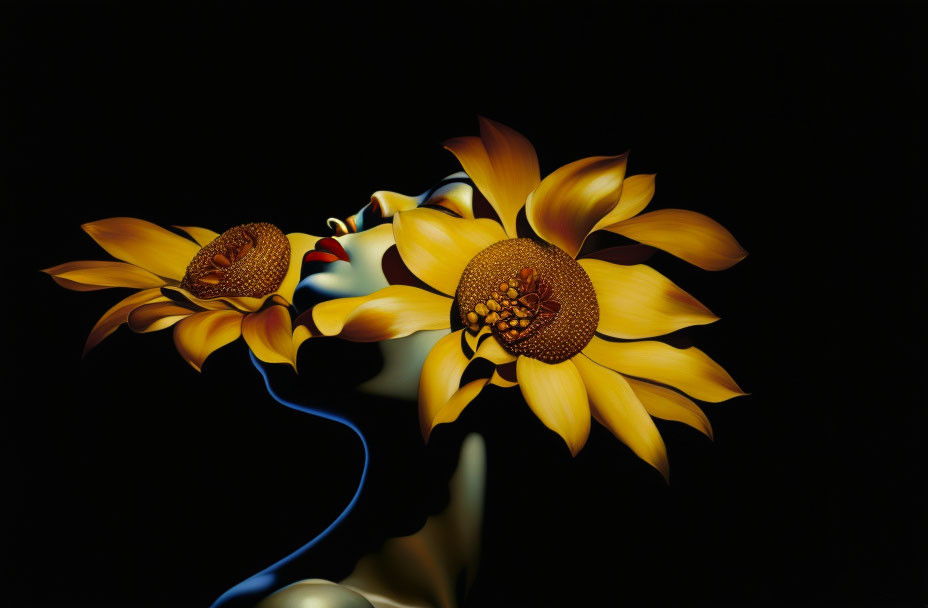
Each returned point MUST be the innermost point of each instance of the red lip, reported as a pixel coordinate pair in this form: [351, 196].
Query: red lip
[327, 250]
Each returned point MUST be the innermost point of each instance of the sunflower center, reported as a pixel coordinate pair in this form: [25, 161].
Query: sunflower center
[246, 261]
[537, 300]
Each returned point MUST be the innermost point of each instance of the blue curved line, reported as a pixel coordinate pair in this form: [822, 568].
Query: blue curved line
[263, 581]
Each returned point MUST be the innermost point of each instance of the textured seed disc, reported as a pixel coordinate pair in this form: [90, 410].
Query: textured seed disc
[562, 309]
[246, 261]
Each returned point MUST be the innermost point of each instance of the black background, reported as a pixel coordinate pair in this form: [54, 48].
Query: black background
[133, 480]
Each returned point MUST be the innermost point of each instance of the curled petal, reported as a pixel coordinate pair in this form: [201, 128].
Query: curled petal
[503, 165]
[616, 406]
[461, 398]
[203, 236]
[691, 236]
[437, 247]
[100, 275]
[688, 369]
[567, 204]
[392, 312]
[667, 404]
[556, 394]
[440, 379]
[119, 314]
[197, 336]
[269, 335]
[473, 341]
[244, 304]
[639, 302]
[301, 333]
[497, 380]
[144, 244]
[491, 350]
[157, 316]
[637, 192]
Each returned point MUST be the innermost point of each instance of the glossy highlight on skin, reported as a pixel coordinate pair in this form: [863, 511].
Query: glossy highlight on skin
[257, 586]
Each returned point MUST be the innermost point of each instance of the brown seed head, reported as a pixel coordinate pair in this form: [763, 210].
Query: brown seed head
[547, 304]
[246, 261]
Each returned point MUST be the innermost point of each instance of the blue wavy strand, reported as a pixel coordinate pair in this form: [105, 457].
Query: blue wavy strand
[264, 582]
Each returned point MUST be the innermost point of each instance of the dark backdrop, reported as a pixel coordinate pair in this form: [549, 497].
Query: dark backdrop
[133, 480]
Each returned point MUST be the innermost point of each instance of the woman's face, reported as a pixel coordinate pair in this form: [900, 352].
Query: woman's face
[360, 261]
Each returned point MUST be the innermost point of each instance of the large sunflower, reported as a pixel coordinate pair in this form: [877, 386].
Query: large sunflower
[569, 332]
[211, 289]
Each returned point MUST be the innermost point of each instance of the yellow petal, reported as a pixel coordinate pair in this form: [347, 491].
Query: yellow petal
[437, 247]
[222, 303]
[440, 379]
[637, 191]
[157, 316]
[450, 411]
[503, 165]
[639, 302]
[197, 336]
[616, 406]
[300, 244]
[144, 244]
[556, 394]
[119, 314]
[688, 369]
[567, 204]
[473, 341]
[692, 236]
[491, 350]
[269, 335]
[76, 286]
[391, 312]
[100, 274]
[203, 236]
[497, 380]
[301, 334]
[667, 404]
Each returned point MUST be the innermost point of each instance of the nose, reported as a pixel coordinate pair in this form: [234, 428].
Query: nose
[384, 204]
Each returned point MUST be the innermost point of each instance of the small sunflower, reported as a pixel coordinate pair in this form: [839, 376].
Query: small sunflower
[571, 333]
[211, 289]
